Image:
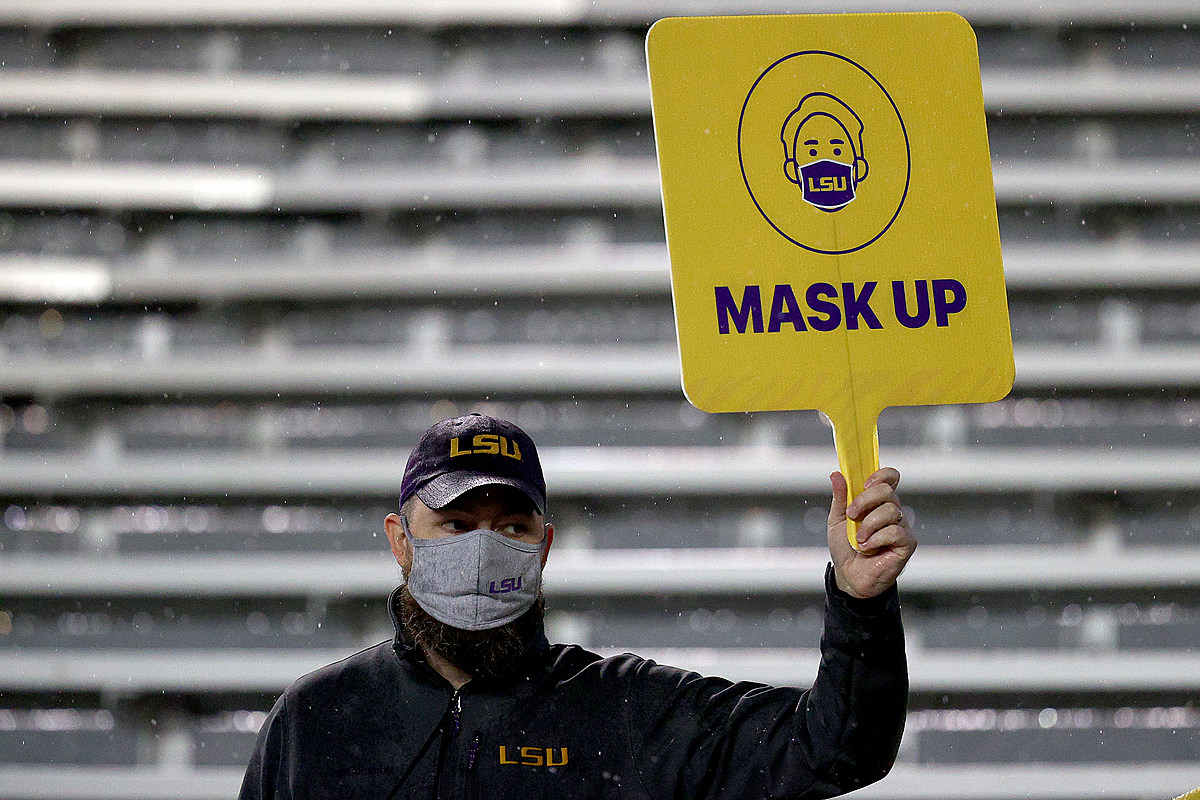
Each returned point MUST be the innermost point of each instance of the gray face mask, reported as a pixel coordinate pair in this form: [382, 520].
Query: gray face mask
[475, 580]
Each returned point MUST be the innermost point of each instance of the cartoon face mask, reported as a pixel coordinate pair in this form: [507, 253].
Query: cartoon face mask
[827, 184]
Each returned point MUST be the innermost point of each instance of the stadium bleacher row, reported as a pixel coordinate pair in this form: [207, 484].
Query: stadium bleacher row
[250, 250]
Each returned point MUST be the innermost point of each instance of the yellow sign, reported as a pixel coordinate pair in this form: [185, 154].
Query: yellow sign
[831, 217]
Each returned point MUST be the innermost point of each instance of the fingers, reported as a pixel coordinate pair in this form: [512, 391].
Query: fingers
[871, 498]
[888, 475]
[882, 516]
[880, 519]
[895, 537]
[877, 507]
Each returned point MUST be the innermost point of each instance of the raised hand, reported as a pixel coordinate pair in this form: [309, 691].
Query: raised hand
[885, 538]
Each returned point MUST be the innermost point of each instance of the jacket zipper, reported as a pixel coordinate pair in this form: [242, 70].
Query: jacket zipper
[454, 711]
[474, 751]
[472, 778]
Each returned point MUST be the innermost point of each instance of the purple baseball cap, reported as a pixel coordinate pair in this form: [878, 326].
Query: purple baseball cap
[460, 454]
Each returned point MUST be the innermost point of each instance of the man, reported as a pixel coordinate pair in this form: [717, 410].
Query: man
[470, 701]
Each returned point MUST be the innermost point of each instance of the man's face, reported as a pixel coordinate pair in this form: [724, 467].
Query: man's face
[502, 509]
[823, 137]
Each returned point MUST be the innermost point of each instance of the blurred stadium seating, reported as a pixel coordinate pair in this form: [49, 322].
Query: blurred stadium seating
[250, 250]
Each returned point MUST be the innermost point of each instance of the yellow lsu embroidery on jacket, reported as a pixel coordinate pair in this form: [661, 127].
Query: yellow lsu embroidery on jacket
[487, 444]
[535, 756]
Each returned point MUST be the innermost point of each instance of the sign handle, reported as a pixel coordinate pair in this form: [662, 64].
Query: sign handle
[856, 436]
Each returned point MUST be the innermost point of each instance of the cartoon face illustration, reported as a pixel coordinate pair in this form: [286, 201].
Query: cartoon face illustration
[822, 146]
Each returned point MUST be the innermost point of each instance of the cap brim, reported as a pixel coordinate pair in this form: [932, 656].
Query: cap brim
[444, 489]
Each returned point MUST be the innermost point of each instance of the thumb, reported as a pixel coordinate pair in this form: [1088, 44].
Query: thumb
[837, 508]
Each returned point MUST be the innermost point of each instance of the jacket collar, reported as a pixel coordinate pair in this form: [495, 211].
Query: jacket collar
[403, 644]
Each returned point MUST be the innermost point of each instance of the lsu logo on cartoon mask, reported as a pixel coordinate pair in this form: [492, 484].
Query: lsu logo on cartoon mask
[828, 185]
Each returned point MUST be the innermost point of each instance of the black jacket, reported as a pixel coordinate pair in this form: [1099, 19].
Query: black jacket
[382, 724]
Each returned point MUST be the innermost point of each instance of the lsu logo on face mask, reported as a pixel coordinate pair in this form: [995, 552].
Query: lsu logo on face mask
[487, 444]
[507, 585]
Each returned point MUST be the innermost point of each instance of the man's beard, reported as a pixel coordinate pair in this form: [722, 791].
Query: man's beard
[490, 653]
